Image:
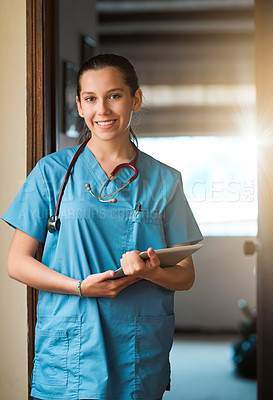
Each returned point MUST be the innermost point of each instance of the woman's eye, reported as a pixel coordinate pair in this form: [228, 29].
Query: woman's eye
[90, 99]
[115, 96]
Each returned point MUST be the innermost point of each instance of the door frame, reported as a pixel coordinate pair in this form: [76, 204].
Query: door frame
[41, 114]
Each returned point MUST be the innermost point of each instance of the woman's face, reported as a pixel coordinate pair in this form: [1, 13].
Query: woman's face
[106, 103]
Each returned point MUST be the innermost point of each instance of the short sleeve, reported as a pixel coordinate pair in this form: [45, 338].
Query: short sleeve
[29, 211]
[180, 225]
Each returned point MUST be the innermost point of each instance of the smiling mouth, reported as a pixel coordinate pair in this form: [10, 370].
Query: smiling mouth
[106, 123]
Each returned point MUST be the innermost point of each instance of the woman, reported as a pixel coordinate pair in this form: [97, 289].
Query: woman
[98, 337]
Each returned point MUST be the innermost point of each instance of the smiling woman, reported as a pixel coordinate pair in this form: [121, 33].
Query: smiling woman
[85, 318]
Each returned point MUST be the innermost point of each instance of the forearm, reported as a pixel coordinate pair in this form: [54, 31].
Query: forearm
[23, 267]
[31, 272]
[178, 277]
[35, 274]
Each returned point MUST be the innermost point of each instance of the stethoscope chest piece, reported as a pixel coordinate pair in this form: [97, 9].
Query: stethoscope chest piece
[53, 224]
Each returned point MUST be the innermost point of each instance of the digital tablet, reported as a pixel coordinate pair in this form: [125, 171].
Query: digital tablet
[168, 257]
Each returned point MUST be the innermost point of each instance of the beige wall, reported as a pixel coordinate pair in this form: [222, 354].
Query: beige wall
[223, 276]
[13, 327]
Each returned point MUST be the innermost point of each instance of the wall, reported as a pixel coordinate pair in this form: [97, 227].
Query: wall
[13, 306]
[223, 276]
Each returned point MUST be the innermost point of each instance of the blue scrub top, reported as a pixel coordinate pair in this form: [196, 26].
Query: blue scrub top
[101, 348]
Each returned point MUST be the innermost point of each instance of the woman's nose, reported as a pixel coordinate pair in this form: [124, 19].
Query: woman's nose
[103, 107]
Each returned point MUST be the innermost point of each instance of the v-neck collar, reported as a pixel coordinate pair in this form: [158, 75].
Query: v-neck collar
[99, 174]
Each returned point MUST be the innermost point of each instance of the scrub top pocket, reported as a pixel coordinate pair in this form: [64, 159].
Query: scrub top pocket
[51, 362]
[56, 363]
[154, 337]
[147, 230]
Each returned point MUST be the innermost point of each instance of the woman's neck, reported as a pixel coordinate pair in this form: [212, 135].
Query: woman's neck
[117, 151]
[109, 154]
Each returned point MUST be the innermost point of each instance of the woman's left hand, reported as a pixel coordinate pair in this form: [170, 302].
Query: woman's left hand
[132, 264]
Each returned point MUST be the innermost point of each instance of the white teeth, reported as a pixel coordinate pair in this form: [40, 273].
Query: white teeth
[106, 123]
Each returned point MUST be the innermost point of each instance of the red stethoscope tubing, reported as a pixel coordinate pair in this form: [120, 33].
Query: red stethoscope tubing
[130, 165]
[74, 159]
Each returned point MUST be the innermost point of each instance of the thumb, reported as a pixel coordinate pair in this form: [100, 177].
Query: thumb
[154, 260]
[107, 275]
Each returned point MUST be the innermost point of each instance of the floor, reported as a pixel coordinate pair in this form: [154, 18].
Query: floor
[202, 369]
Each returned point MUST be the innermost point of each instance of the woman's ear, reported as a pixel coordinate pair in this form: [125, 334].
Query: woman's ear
[79, 107]
[137, 102]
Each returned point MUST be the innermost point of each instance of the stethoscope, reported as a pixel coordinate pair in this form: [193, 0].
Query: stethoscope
[54, 222]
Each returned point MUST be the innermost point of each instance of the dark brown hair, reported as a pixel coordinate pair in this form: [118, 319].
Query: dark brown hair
[103, 61]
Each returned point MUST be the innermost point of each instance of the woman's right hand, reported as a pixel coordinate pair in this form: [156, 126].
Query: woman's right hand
[101, 284]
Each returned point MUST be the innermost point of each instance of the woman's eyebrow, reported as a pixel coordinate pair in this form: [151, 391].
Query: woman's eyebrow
[108, 91]
[115, 89]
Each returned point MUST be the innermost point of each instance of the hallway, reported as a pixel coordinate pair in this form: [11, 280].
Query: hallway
[202, 369]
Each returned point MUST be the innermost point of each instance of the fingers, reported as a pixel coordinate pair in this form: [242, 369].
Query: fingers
[154, 260]
[115, 286]
[103, 276]
[101, 285]
[131, 263]
[126, 281]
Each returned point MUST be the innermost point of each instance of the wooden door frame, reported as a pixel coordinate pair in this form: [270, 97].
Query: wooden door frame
[41, 113]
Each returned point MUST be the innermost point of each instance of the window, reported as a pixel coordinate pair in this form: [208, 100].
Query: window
[219, 177]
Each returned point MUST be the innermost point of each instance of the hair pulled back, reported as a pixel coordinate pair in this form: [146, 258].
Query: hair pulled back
[103, 61]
